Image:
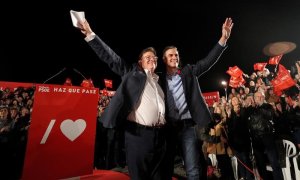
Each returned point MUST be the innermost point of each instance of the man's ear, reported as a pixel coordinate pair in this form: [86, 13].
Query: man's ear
[140, 63]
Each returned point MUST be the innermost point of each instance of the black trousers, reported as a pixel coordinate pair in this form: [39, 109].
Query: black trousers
[145, 152]
[266, 144]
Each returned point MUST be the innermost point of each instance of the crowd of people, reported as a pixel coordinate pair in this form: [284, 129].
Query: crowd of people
[249, 125]
[152, 119]
[252, 123]
[236, 130]
[15, 109]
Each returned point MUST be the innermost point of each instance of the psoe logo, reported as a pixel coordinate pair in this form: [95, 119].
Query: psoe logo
[44, 89]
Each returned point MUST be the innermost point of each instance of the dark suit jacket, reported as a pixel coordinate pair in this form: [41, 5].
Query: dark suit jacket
[189, 75]
[130, 89]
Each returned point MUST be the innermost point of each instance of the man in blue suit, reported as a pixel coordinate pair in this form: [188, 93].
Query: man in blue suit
[140, 101]
[186, 109]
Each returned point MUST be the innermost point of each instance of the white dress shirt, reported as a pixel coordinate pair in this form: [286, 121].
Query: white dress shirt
[150, 109]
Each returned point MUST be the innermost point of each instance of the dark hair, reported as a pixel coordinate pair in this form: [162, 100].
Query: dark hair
[148, 49]
[167, 48]
[171, 47]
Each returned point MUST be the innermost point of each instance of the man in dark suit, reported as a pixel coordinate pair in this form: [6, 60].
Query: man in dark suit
[140, 100]
[185, 107]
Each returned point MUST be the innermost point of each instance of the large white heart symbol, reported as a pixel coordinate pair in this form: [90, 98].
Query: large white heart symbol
[72, 129]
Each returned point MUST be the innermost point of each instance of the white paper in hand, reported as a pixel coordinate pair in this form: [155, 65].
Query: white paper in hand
[77, 16]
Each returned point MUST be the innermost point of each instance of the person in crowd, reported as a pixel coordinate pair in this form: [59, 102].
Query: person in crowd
[185, 106]
[261, 124]
[5, 143]
[294, 120]
[139, 100]
[238, 137]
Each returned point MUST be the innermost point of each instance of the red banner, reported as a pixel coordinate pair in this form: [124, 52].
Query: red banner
[259, 66]
[87, 83]
[275, 60]
[14, 85]
[236, 81]
[234, 71]
[282, 81]
[236, 77]
[211, 97]
[62, 133]
[108, 83]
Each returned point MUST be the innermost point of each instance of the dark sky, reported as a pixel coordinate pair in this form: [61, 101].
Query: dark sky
[38, 39]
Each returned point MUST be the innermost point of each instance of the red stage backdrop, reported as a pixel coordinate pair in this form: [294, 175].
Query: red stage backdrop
[211, 97]
[62, 133]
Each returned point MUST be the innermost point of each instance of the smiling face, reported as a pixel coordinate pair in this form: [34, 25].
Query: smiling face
[171, 58]
[148, 59]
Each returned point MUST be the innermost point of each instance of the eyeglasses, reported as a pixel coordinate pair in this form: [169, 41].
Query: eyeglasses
[151, 58]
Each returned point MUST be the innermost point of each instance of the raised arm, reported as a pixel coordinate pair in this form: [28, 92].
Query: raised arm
[226, 31]
[85, 28]
[213, 56]
[103, 51]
